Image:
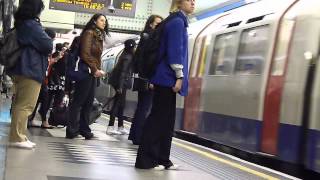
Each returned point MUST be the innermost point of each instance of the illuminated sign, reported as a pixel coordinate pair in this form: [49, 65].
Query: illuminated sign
[124, 8]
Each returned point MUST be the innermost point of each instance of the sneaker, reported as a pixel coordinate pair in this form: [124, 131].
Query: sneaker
[173, 167]
[112, 131]
[123, 131]
[159, 168]
[23, 145]
[32, 143]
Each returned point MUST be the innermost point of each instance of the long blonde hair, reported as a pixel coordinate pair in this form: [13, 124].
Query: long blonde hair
[175, 5]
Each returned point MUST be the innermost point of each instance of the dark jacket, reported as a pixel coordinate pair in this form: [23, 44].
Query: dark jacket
[37, 45]
[174, 47]
[91, 47]
[120, 77]
[138, 62]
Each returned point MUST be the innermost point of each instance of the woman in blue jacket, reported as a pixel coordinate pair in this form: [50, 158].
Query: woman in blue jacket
[29, 72]
[171, 77]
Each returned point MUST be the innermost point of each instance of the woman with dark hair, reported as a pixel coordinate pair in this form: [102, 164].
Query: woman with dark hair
[45, 96]
[144, 95]
[29, 72]
[91, 46]
[152, 23]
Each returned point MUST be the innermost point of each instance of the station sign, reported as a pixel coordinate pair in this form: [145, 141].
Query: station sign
[125, 8]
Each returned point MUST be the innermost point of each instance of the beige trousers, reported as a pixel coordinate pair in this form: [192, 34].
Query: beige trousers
[26, 96]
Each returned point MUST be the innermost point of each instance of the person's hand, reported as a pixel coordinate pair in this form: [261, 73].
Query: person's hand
[151, 86]
[52, 61]
[99, 73]
[119, 91]
[177, 86]
[65, 100]
[103, 73]
[61, 54]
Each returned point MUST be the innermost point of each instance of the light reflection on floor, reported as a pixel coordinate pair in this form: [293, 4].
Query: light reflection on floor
[5, 110]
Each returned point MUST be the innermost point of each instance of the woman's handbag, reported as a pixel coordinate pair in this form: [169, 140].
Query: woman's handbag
[140, 84]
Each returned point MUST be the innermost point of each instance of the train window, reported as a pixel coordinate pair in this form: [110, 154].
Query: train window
[252, 51]
[108, 64]
[224, 53]
[255, 19]
[234, 24]
[278, 65]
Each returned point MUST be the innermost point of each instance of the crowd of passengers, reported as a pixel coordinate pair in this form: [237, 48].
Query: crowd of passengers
[39, 78]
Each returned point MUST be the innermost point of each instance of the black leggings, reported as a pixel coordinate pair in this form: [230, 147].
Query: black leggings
[117, 109]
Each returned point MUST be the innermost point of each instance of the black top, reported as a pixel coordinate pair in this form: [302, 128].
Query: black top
[120, 77]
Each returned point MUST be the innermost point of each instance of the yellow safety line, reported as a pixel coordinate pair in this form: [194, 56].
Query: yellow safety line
[238, 166]
[213, 157]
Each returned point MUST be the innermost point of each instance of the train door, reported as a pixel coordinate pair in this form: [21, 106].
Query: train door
[311, 114]
[192, 101]
[196, 72]
[288, 93]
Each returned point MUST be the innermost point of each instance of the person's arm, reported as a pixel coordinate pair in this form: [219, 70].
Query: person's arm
[175, 46]
[40, 40]
[85, 51]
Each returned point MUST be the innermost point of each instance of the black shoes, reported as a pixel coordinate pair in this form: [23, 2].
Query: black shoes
[88, 136]
[134, 141]
[69, 136]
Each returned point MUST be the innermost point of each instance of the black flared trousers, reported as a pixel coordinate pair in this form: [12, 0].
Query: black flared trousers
[158, 131]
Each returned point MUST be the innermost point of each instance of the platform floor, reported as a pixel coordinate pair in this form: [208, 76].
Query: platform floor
[112, 158]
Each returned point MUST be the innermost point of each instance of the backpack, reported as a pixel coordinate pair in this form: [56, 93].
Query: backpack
[10, 51]
[147, 55]
[77, 69]
[59, 115]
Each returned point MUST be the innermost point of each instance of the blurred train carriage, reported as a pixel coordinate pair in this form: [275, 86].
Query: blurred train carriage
[254, 80]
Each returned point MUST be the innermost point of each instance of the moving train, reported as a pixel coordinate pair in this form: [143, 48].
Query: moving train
[254, 80]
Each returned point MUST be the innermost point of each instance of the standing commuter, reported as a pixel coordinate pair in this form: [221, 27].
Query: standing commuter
[120, 80]
[144, 95]
[47, 91]
[171, 77]
[43, 98]
[29, 72]
[91, 46]
[57, 78]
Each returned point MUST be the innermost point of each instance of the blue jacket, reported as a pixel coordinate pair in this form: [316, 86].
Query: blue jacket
[37, 45]
[173, 50]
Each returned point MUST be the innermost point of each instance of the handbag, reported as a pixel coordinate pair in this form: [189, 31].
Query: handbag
[10, 49]
[140, 84]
